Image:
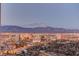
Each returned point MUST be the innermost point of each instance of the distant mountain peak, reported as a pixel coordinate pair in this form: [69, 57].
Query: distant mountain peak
[37, 25]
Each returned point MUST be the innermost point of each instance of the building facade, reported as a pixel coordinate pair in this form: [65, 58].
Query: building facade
[39, 36]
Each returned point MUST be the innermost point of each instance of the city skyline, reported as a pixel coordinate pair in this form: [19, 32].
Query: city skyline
[0, 14]
[40, 14]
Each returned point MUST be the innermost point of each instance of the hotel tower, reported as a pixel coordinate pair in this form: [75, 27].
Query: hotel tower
[0, 14]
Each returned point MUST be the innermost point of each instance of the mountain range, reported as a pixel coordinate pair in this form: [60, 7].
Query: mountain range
[47, 29]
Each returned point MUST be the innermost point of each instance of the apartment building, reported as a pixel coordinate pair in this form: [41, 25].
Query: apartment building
[38, 36]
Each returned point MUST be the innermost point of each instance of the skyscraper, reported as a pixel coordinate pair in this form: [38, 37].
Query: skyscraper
[0, 14]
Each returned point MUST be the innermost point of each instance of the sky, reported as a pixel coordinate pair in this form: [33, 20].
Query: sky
[40, 14]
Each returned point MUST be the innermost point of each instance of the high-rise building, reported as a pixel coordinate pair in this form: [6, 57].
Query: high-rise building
[0, 14]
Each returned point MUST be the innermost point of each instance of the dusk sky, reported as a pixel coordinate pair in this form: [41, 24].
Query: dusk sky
[29, 15]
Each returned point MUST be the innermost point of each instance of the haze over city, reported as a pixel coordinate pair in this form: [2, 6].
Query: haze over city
[54, 29]
[29, 15]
